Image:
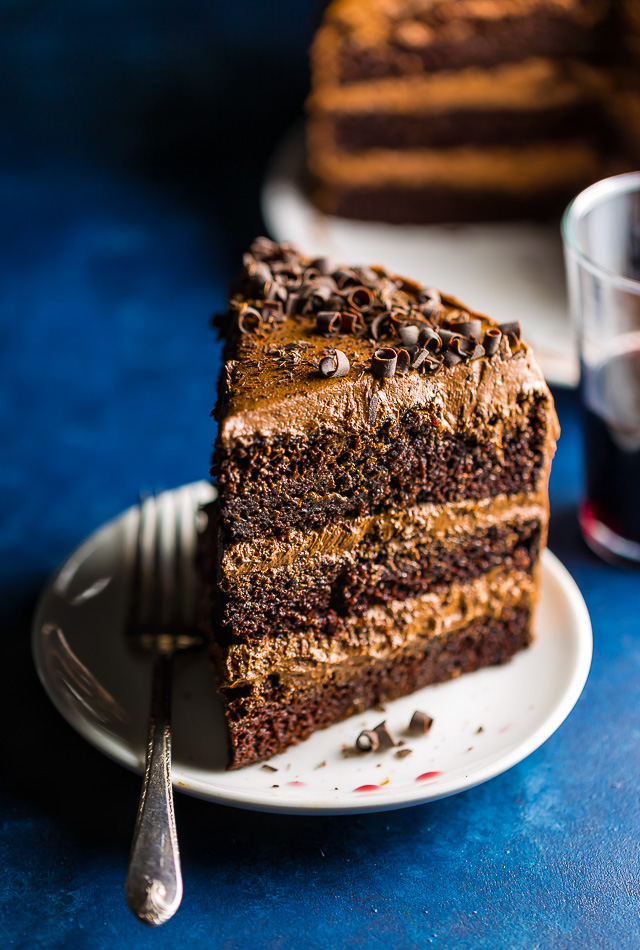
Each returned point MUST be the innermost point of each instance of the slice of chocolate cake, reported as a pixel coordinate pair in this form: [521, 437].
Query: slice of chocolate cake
[382, 463]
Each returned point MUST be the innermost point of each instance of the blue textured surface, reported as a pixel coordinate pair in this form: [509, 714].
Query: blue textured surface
[122, 159]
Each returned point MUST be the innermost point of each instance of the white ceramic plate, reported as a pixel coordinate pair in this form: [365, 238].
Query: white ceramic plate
[102, 689]
[510, 271]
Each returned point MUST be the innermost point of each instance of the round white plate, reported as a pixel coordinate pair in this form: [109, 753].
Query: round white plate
[510, 271]
[484, 722]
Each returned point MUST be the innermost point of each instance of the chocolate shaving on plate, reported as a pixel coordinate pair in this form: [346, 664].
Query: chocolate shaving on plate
[268, 768]
[403, 753]
[384, 362]
[368, 741]
[420, 723]
[385, 739]
[334, 367]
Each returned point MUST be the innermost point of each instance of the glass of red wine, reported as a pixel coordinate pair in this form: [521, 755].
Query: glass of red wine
[601, 236]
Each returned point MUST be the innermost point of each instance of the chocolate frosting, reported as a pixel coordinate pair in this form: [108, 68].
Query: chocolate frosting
[271, 382]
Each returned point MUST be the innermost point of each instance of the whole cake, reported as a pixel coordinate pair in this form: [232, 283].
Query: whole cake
[382, 461]
[462, 110]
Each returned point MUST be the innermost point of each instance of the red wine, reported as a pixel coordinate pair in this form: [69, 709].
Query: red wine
[611, 406]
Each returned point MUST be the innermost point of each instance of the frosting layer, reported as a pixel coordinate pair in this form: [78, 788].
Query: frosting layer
[381, 634]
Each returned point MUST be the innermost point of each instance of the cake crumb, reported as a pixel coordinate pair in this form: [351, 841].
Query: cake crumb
[403, 753]
[268, 768]
[321, 765]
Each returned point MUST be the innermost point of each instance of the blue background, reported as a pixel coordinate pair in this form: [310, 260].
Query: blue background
[133, 139]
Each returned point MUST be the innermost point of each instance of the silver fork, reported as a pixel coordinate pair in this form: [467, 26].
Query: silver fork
[161, 621]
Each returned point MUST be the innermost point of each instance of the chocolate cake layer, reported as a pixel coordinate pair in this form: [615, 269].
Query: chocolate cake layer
[396, 204]
[357, 132]
[268, 488]
[263, 724]
[317, 601]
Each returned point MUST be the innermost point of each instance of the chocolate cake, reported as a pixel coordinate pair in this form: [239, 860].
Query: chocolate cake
[382, 462]
[434, 110]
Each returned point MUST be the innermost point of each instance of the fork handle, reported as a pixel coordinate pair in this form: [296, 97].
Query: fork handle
[154, 879]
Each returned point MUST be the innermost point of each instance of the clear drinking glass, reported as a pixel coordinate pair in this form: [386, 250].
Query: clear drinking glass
[601, 235]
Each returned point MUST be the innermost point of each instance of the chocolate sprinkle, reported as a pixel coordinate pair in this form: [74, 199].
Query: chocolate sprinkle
[385, 739]
[368, 741]
[383, 362]
[492, 337]
[420, 723]
[334, 367]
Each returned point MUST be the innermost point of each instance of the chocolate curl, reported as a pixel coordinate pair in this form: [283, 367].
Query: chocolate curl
[512, 331]
[334, 367]
[321, 264]
[384, 362]
[368, 741]
[419, 356]
[291, 307]
[492, 337]
[403, 363]
[328, 321]
[381, 322]
[478, 353]
[431, 365]
[471, 329]
[360, 298]
[385, 739]
[409, 334]
[430, 295]
[446, 336]
[462, 346]
[451, 358]
[420, 723]
[344, 277]
[352, 322]
[430, 339]
[455, 321]
[249, 320]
